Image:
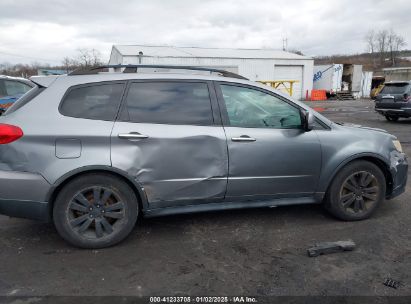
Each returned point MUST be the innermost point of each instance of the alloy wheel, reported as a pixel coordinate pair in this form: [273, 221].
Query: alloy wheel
[359, 192]
[95, 212]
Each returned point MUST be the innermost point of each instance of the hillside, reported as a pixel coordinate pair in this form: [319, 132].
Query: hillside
[370, 62]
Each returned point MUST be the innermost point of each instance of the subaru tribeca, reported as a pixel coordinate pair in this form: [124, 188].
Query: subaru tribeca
[93, 150]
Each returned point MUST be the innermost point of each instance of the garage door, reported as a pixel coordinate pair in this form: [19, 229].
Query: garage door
[290, 72]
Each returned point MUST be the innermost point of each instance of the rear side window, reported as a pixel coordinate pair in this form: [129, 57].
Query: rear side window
[168, 103]
[99, 101]
[395, 88]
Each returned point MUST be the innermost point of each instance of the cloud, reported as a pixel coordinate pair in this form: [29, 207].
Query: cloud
[49, 30]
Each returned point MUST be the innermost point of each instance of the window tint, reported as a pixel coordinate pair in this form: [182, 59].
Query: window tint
[169, 103]
[98, 101]
[395, 88]
[14, 88]
[252, 108]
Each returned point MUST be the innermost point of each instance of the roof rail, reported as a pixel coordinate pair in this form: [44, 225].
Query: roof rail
[131, 68]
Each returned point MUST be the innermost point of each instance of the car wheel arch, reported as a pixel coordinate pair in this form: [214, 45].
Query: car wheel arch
[377, 160]
[62, 181]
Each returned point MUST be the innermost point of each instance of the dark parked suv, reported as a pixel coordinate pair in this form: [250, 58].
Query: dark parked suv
[92, 151]
[394, 100]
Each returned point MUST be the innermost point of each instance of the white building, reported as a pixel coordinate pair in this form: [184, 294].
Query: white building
[255, 64]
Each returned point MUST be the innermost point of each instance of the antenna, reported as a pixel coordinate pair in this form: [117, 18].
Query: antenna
[285, 43]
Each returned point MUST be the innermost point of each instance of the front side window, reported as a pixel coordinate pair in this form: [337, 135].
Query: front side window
[168, 103]
[251, 108]
[99, 101]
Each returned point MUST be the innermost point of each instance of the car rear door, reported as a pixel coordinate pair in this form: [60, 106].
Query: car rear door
[169, 138]
[270, 156]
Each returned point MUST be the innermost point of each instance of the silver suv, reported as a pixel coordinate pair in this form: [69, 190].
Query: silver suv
[95, 149]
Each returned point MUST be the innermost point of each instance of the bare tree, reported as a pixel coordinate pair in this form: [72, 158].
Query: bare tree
[85, 58]
[69, 64]
[88, 57]
[395, 43]
[382, 43]
[370, 41]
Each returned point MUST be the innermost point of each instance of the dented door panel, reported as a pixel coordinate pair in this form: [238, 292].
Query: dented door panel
[173, 162]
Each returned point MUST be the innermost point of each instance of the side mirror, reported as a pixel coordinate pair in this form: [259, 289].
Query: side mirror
[307, 119]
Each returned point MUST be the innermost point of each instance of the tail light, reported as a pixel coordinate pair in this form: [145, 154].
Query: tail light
[407, 97]
[9, 133]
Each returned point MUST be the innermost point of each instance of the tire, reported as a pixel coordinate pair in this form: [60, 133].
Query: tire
[391, 118]
[95, 211]
[346, 204]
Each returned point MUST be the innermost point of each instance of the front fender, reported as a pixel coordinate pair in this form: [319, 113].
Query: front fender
[326, 178]
[343, 145]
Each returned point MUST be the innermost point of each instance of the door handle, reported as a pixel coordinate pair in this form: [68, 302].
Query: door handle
[243, 138]
[132, 135]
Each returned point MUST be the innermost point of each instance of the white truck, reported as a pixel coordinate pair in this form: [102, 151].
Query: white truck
[342, 79]
[328, 77]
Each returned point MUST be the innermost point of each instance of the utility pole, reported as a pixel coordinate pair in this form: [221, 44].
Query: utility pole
[285, 43]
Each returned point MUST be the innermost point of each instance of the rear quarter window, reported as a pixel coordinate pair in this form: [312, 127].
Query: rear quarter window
[93, 101]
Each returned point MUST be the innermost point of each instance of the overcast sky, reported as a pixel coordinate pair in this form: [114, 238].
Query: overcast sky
[46, 31]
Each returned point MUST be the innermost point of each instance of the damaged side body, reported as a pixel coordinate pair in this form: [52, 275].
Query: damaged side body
[175, 164]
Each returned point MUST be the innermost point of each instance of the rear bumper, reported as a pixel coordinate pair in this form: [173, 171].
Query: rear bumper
[402, 112]
[23, 194]
[399, 173]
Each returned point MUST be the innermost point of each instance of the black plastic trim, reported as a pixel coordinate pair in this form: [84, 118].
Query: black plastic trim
[230, 206]
[25, 209]
[130, 68]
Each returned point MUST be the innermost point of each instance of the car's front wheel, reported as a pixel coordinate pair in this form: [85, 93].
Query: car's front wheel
[356, 191]
[95, 211]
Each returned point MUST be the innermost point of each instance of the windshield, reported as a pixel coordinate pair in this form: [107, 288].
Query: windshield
[395, 88]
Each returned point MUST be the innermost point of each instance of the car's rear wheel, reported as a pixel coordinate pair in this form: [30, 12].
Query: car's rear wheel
[356, 191]
[391, 118]
[95, 211]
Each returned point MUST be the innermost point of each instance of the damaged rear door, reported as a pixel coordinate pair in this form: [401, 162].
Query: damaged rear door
[169, 139]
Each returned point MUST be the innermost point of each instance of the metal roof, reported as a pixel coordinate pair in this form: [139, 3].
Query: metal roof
[172, 51]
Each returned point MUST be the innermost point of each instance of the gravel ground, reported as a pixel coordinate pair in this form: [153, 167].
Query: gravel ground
[251, 252]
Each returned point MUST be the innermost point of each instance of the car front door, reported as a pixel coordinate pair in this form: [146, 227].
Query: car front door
[170, 141]
[270, 155]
